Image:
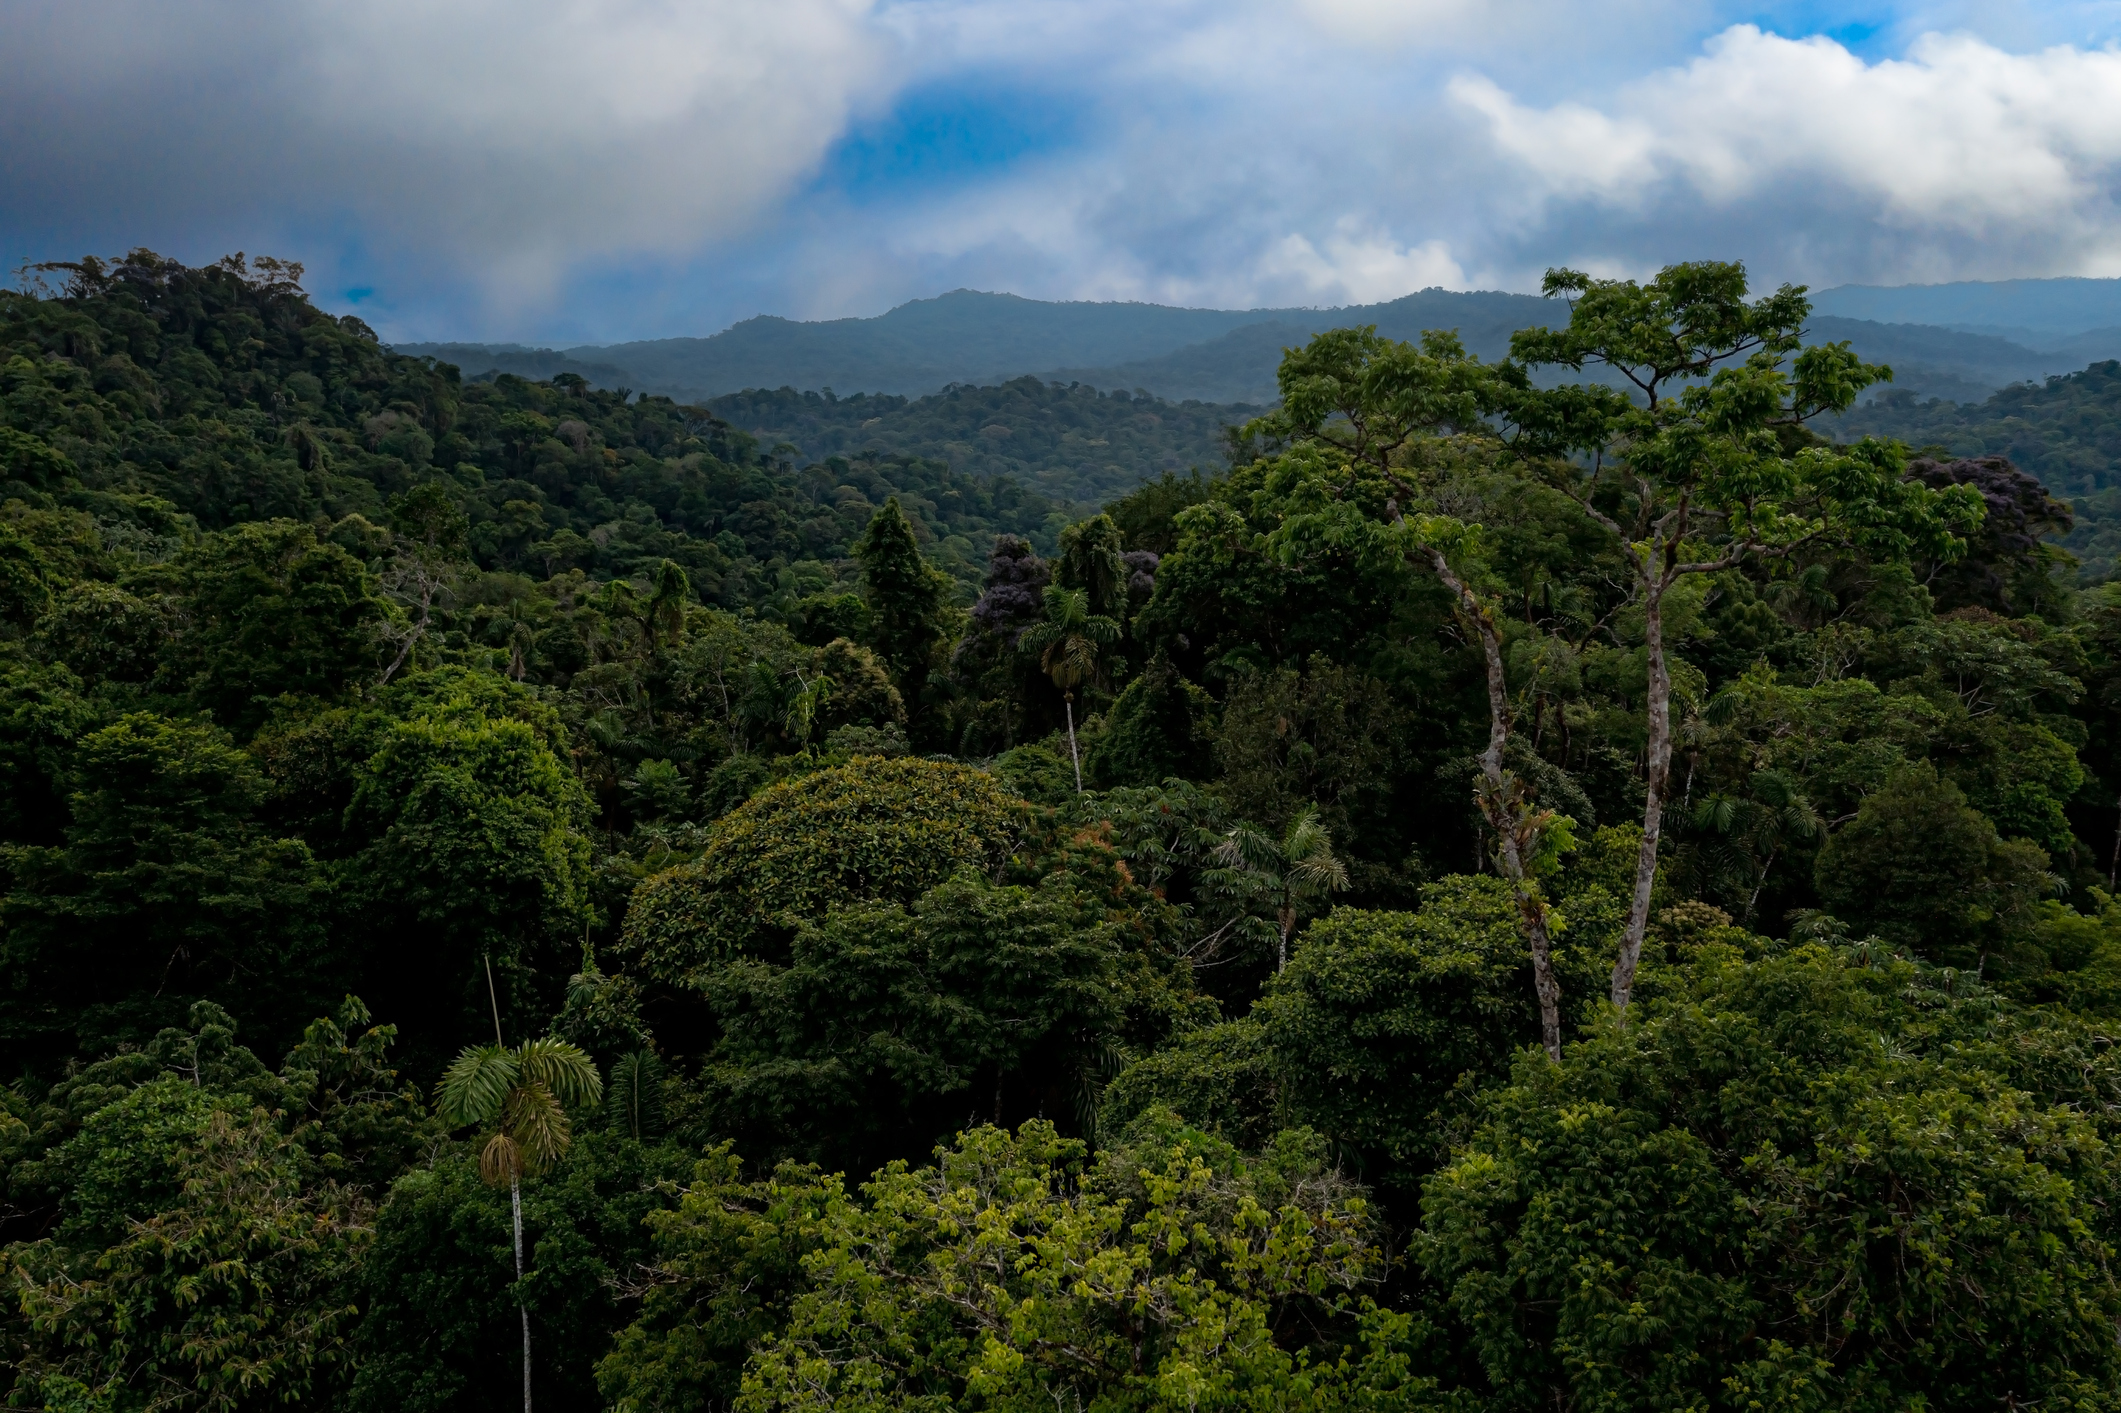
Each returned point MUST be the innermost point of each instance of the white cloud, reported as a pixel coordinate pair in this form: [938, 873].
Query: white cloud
[1359, 266]
[1959, 135]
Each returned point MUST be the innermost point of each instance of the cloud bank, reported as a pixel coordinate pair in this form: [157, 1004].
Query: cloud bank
[1960, 147]
[555, 170]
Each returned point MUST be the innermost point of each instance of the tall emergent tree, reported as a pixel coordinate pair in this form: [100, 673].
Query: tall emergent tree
[522, 1096]
[1707, 463]
[1387, 406]
[909, 598]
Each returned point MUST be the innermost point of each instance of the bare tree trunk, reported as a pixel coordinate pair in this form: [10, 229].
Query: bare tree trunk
[1502, 801]
[1068, 701]
[515, 1201]
[1658, 769]
[1288, 925]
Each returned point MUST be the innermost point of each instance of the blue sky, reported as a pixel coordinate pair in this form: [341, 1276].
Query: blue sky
[559, 171]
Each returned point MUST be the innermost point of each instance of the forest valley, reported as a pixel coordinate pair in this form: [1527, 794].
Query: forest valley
[1543, 884]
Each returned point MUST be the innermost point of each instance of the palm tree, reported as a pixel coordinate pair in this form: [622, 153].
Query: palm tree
[1070, 641]
[522, 1096]
[1737, 838]
[1255, 868]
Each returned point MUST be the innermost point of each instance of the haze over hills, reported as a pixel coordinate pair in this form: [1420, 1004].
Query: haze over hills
[1953, 341]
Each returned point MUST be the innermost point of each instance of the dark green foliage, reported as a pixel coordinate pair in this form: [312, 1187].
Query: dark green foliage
[1921, 869]
[888, 1023]
[1162, 725]
[908, 599]
[1147, 516]
[206, 1216]
[1379, 1034]
[470, 854]
[2063, 431]
[439, 1325]
[268, 612]
[589, 719]
[165, 887]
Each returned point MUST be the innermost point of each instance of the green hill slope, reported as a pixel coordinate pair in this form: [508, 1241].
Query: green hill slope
[2066, 431]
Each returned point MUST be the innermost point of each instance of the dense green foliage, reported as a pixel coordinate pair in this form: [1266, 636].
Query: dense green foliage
[765, 1012]
[1070, 442]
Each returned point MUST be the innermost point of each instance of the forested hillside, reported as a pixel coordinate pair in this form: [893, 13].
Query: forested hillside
[1501, 897]
[2066, 431]
[1071, 443]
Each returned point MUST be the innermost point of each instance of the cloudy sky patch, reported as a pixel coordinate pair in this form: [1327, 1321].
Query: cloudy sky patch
[572, 170]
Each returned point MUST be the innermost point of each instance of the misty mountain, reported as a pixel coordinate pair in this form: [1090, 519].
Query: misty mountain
[1229, 356]
[2013, 309]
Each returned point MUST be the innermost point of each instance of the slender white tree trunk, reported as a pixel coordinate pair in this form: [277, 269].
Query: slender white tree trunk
[1502, 801]
[515, 1201]
[1659, 768]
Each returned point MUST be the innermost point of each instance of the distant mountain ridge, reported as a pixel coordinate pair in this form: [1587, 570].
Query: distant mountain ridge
[1959, 342]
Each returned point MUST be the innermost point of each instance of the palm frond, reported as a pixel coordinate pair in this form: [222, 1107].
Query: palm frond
[1306, 836]
[1321, 873]
[563, 1069]
[538, 1124]
[501, 1160]
[1248, 847]
[475, 1086]
[634, 1098]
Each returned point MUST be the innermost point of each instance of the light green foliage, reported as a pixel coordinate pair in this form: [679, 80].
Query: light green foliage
[888, 1022]
[728, 1257]
[872, 830]
[1170, 1274]
[1781, 1187]
[226, 1293]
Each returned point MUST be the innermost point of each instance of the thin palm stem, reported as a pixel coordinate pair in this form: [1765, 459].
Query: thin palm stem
[1068, 701]
[515, 1202]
